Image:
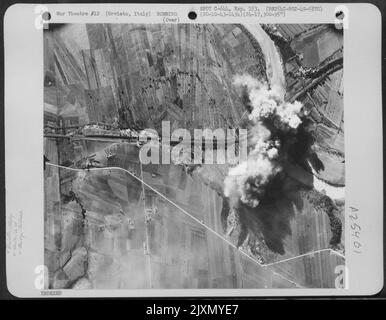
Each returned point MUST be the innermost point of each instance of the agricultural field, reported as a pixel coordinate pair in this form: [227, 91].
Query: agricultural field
[114, 222]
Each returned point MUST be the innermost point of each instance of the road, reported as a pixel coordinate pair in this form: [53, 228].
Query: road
[183, 211]
[149, 271]
[275, 74]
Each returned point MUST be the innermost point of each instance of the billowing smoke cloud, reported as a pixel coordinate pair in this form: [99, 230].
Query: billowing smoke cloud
[270, 119]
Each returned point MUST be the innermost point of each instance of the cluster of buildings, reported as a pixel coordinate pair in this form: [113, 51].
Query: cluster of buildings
[313, 64]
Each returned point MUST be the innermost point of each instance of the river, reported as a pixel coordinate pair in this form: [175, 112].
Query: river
[274, 65]
[276, 77]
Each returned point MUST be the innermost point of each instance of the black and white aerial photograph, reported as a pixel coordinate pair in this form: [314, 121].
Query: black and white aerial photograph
[193, 156]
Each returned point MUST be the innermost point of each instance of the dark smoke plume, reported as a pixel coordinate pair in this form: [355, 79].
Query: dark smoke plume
[279, 133]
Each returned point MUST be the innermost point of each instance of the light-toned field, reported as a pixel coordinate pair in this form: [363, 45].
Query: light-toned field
[131, 241]
[143, 74]
[106, 229]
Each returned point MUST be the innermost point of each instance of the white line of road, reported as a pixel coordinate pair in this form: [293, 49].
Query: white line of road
[199, 222]
[306, 254]
[146, 231]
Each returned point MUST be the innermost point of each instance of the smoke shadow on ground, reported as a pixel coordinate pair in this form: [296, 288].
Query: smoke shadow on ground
[271, 219]
[299, 146]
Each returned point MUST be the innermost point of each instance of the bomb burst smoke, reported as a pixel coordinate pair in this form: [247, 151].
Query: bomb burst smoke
[270, 118]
